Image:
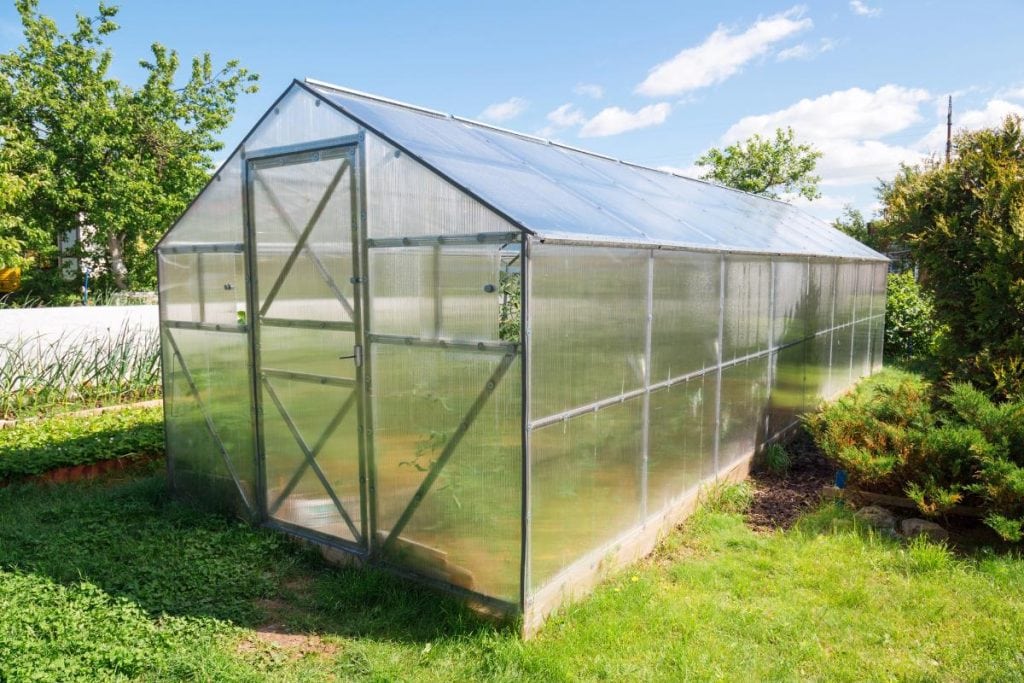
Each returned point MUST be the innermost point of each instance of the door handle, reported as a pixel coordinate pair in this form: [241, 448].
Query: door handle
[357, 355]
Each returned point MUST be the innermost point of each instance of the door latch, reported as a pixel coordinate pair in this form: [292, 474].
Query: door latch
[357, 356]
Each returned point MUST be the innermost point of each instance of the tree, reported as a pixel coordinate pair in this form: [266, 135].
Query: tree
[964, 222]
[766, 167]
[852, 222]
[121, 162]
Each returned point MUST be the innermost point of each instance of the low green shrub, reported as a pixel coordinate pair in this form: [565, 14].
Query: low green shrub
[777, 460]
[896, 433]
[910, 328]
[37, 446]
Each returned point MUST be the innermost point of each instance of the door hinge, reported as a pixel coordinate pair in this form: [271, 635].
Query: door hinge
[357, 351]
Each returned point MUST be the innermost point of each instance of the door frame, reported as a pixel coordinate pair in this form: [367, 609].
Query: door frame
[367, 505]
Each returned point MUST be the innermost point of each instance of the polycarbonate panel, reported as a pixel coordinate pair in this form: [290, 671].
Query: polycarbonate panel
[221, 295]
[787, 396]
[864, 298]
[747, 322]
[681, 439]
[817, 371]
[297, 118]
[878, 342]
[326, 418]
[557, 191]
[587, 312]
[467, 529]
[452, 292]
[215, 216]
[861, 349]
[216, 362]
[684, 333]
[179, 287]
[841, 373]
[585, 486]
[406, 199]
[846, 293]
[743, 416]
[820, 295]
[292, 198]
[792, 302]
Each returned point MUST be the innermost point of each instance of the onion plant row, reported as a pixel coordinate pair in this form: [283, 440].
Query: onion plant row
[40, 375]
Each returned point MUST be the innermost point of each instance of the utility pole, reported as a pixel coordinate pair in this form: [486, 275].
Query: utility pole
[949, 129]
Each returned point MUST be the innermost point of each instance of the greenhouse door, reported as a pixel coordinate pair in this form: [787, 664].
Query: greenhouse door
[304, 223]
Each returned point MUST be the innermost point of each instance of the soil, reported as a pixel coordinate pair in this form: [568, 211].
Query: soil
[779, 499]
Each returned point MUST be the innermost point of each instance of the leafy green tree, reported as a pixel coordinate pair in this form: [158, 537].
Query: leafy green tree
[964, 222]
[852, 222]
[766, 167]
[121, 162]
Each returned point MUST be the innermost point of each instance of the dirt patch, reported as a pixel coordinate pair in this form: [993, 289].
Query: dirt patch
[779, 499]
[294, 645]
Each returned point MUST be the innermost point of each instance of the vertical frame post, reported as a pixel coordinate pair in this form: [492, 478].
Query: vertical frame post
[721, 357]
[253, 328]
[164, 373]
[526, 350]
[773, 354]
[364, 373]
[645, 427]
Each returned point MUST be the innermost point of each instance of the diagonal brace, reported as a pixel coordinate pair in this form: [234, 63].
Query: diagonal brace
[294, 481]
[310, 458]
[449, 450]
[194, 390]
[301, 242]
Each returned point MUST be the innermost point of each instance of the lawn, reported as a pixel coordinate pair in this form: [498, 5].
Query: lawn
[113, 580]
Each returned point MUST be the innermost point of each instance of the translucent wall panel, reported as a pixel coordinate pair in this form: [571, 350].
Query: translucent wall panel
[297, 118]
[292, 197]
[215, 216]
[743, 415]
[466, 530]
[820, 295]
[747, 322]
[179, 287]
[405, 199]
[682, 439]
[861, 349]
[846, 292]
[877, 342]
[585, 486]
[684, 336]
[817, 371]
[209, 411]
[792, 304]
[787, 395]
[453, 292]
[841, 360]
[587, 310]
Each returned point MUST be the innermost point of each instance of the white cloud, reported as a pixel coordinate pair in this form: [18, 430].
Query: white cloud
[861, 9]
[721, 55]
[589, 90]
[615, 120]
[848, 127]
[503, 111]
[851, 114]
[995, 111]
[565, 116]
[801, 51]
[1016, 93]
[805, 50]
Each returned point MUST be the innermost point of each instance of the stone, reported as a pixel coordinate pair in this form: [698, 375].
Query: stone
[917, 527]
[876, 516]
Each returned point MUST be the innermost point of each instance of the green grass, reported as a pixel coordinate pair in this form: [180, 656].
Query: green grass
[112, 580]
[34, 447]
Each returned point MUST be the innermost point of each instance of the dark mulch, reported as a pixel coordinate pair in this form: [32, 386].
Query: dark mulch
[779, 499]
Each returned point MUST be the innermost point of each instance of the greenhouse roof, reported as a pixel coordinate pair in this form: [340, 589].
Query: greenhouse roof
[564, 194]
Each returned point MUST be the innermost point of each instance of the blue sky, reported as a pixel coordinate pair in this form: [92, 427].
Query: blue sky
[652, 82]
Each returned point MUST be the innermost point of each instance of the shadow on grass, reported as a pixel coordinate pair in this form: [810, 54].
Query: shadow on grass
[133, 541]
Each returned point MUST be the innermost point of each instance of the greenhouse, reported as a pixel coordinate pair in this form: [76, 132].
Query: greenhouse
[494, 363]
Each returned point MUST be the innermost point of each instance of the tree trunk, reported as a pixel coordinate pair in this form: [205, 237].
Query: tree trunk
[115, 257]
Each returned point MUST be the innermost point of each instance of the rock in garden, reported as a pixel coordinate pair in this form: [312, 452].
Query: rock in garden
[878, 517]
[915, 527]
